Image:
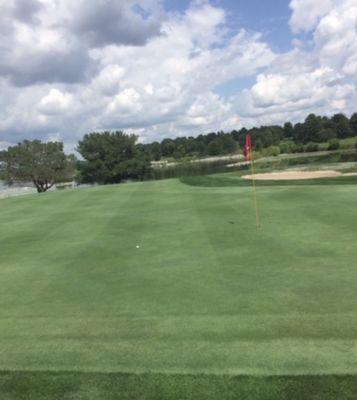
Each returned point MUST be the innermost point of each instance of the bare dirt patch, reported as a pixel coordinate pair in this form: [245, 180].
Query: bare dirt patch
[297, 175]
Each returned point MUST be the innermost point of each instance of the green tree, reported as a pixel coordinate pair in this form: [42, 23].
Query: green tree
[312, 126]
[326, 134]
[44, 164]
[155, 151]
[288, 130]
[229, 145]
[353, 123]
[215, 148]
[111, 157]
[341, 125]
[168, 147]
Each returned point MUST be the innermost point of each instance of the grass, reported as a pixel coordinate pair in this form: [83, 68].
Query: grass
[233, 179]
[98, 386]
[206, 307]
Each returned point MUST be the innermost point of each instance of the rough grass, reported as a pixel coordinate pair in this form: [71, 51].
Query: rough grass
[205, 298]
[97, 386]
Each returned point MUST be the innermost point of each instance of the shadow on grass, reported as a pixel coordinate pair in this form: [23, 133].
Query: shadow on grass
[18, 385]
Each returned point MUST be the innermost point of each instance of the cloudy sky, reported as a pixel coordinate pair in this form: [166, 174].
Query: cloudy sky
[166, 68]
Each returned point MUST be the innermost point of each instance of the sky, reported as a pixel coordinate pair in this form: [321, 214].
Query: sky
[167, 68]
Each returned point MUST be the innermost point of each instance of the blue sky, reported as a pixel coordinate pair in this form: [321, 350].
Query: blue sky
[167, 68]
[270, 17]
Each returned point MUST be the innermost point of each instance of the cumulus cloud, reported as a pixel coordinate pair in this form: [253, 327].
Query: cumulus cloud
[321, 78]
[55, 102]
[306, 13]
[35, 50]
[67, 68]
[26, 10]
[125, 22]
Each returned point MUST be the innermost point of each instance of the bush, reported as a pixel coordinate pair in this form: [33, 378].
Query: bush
[271, 151]
[333, 144]
[287, 147]
[299, 148]
[310, 147]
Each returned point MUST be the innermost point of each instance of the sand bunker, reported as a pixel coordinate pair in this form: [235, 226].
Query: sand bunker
[291, 175]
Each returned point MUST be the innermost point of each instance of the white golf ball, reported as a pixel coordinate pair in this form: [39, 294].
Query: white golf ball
[137, 246]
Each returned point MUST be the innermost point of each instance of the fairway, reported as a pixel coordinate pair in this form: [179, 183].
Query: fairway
[205, 292]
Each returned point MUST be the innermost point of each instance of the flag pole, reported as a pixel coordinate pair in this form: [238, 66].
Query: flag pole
[249, 157]
[257, 219]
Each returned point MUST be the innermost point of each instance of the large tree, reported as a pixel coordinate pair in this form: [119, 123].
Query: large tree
[44, 164]
[110, 157]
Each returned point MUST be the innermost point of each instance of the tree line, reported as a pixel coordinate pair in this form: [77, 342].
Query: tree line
[291, 138]
[111, 157]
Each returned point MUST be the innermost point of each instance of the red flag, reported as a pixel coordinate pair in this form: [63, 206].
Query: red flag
[248, 148]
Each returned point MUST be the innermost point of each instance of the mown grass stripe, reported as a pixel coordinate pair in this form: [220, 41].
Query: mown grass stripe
[19, 385]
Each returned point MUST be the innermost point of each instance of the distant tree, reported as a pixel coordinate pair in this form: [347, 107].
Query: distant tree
[300, 133]
[43, 164]
[235, 135]
[168, 147]
[155, 151]
[325, 134]
[258, 144]
[341, 126]
[266, 136]
[229, 145]
[215, 148]
[312, 126]
[179, 152]
[353, 123]
[111, 157]
[288, 130]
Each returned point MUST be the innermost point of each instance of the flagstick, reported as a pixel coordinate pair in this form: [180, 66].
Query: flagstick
[257, 219]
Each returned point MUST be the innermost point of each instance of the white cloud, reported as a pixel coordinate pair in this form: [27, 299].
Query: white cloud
[306, 13]
[55, 102]
[320, 78]
[159, 81]
[126, 102]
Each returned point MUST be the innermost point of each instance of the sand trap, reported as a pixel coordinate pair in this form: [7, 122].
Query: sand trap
[350, 174]
[291, 175]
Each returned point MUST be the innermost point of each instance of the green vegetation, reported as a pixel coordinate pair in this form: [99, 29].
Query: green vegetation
[205, 307]
[115, 386]
[313, 134]
[233, 179]
[111, 157]
[43, 164]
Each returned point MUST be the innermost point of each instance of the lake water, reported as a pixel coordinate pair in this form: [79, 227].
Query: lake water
[15, 189]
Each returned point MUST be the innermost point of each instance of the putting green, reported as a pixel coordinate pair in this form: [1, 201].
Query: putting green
[204, 293]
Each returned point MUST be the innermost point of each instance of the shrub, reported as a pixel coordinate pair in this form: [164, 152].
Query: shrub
[333, 144]
[287, 147]
[271, 151]
[310, 147]
[299, 148]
